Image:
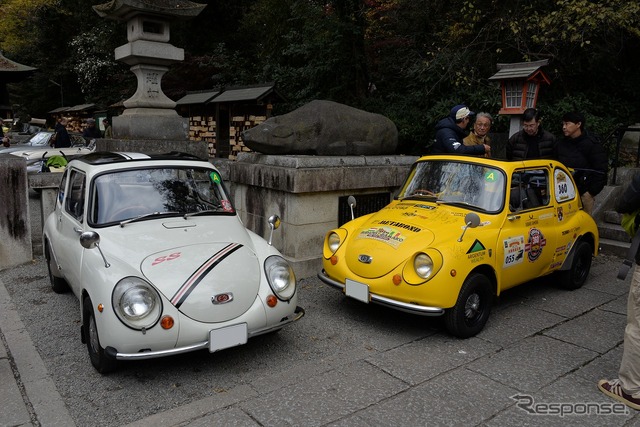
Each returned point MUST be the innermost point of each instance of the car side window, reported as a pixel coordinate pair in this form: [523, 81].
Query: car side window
[74, 203]
[529, 189]
[63, 185]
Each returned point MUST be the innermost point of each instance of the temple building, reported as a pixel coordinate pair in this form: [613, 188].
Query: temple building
[10, 72]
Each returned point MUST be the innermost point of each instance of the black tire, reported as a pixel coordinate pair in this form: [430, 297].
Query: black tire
[58, 284]
[472, 308]
[577, 274]
[99, 359]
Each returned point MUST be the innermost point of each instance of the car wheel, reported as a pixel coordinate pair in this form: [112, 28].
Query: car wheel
[99, 359]
[577, 274]
[58, 284]
[472, 309]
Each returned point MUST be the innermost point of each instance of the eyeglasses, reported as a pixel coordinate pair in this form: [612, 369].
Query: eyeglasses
[482, 125]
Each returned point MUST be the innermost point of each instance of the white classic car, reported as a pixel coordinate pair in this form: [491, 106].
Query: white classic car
[159, 260]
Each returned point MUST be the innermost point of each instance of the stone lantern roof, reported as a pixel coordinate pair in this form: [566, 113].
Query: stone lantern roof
[123, 10]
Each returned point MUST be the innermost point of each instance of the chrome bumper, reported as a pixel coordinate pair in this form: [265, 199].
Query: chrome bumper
[113, 353]
[378, 299]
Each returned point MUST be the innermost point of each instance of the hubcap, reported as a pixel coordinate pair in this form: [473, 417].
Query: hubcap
[472, 307]
[93, 334]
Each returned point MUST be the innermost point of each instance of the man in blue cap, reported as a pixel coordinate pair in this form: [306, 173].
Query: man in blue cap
[450, 132]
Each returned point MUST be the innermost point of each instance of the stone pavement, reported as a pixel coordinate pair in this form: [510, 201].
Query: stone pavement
[536, 363]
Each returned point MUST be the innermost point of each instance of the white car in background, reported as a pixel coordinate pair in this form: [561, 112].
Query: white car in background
[37, 160]
[160, 261]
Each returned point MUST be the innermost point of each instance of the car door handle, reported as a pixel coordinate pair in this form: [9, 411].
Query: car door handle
[513, 217]
[78, 230]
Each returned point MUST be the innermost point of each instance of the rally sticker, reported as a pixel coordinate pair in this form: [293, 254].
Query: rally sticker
[535, 244]
[513, 251]
[388, 235]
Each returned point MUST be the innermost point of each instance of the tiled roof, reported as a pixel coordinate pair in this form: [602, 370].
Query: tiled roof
[518, 70]
[200, 97]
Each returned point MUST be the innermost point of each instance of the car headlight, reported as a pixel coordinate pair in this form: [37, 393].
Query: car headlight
[136, 303]
[280, 277]
[423, 265]
[333, 240]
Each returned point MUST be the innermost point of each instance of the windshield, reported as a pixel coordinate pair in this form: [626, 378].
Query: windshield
[127, 194]
[40, 138]
[478, 187]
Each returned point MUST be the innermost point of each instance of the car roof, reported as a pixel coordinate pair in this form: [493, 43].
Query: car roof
[109, 157]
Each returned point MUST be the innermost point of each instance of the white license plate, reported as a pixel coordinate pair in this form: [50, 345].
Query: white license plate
[357, 290]
[231, 336]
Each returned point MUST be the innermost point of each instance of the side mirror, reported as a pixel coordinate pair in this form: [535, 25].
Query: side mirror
[91, 240]
[471, 220]
[352, 204]
[274, 223]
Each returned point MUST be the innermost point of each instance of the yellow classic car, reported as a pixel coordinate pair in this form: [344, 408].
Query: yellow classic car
[460, 231]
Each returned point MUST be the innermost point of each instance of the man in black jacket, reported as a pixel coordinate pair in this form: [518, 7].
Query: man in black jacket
[626, 388]
[585, 155]
[531, 142]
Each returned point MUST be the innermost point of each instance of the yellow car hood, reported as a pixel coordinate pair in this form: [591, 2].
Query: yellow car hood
[393, 235]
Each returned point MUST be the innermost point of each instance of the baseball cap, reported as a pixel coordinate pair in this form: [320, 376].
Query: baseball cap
[459, 112]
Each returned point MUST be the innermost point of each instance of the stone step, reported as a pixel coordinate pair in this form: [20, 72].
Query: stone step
[614, 247]
[613, 232]
[612, 217]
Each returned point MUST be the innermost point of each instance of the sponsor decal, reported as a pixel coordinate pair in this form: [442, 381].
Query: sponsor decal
[477, 246]
[424, 207]
[387, 235]
[560, 214]
[513, 251]
[476, 252]
[400, 225]
[535, 244]
[545, 216]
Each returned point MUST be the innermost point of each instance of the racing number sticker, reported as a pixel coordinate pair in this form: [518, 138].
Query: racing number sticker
[564, 186]
[513, 251]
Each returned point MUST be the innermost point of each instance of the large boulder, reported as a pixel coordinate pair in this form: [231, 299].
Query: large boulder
[324, 128]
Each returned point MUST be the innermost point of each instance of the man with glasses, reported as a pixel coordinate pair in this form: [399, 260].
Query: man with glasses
[532, 142]
[480, 133]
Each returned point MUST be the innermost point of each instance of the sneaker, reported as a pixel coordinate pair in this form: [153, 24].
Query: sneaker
[613, 389]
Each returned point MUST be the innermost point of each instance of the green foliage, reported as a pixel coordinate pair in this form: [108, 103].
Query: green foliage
[411, 61]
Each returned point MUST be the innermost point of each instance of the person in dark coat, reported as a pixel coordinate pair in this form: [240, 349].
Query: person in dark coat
[450, 132]
[585, 155]
[91, 131]
[62, 138]
[531, 142]
[626, 388]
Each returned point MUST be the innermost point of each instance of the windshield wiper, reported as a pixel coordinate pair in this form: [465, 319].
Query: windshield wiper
[147, 215]
[204, 212]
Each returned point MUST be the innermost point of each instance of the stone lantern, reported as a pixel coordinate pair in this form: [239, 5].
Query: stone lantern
[149, 113]
[520, 83]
